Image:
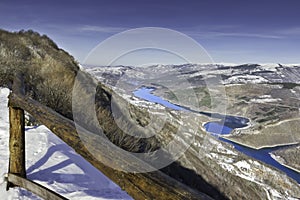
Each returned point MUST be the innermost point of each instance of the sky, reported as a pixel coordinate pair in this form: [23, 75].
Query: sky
[231, 31]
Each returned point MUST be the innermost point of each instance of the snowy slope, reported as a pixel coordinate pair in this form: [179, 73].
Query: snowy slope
[52, 163]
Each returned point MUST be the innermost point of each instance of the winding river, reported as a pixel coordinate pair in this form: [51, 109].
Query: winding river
[224, 125]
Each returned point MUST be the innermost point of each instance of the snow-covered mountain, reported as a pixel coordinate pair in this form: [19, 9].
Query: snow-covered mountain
[230, 74]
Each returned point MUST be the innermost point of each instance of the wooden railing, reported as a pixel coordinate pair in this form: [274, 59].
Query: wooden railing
[43, 192]
[17, 170]
[152, 185]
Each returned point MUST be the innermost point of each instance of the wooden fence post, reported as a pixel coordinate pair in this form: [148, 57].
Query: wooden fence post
[16, 135]
[17, 142]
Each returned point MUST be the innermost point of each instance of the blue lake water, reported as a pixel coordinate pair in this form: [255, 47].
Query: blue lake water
[225, 125]
[217, 128]
[145, 93]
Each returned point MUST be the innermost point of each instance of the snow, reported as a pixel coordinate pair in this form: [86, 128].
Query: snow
[265, 99]
[245, 79]
[50, 162]
[270, 66]
[81, 67]
[243, 165]
[227, 167]
[277, 158]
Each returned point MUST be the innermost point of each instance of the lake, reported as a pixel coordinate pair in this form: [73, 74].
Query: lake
[224, 125]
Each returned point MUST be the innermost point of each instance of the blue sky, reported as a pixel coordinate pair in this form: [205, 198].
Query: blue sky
[232, 31]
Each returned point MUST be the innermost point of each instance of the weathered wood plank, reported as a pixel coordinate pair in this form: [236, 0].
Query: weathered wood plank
[35, 188]
[17, 142]
[153, 185]
[17, 133]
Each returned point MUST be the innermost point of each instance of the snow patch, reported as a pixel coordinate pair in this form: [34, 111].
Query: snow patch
[245, 79]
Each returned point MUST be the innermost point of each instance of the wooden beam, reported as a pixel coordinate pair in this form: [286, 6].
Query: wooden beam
[35, 188]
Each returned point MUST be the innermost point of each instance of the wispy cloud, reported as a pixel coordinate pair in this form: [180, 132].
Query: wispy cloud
[101, 29]
[79, 29]
[223, 31]
[206, 32]
[229, 31]
[239, 34]
[290, 31]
